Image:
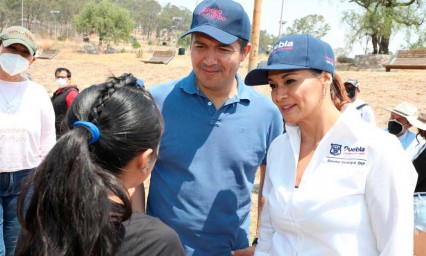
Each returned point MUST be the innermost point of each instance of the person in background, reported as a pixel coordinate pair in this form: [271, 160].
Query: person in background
[27, 126]
[398, 125]
[365, 111]
[419, 162]
[333, 181]
[62, 97]
[80, 201]
[217, 133]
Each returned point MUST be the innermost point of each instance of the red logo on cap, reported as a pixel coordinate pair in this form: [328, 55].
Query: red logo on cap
[329, 60]
[213, 14]
[14, 31]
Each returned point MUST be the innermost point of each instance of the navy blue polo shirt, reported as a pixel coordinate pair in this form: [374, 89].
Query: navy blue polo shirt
[202, 181]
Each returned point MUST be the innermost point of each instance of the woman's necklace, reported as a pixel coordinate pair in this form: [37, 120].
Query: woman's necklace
[12, 104]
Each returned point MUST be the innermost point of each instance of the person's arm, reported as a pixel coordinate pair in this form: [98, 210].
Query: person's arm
[249, 251]
[70, 97]
[265, 230]
[275, 129]
[260, 198]
[48, 133]
[138, 198]
[389, 197]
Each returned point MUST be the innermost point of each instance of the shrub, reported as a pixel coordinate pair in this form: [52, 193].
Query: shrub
[184, 42]
[136, 44]
[139, 53]
[344, 59]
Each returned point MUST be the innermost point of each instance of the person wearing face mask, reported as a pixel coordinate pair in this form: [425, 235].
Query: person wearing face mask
[63, 97]
[27, 126]
[398, 125]
[365, 111]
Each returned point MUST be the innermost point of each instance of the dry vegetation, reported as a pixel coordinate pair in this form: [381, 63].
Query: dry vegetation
[380, 89]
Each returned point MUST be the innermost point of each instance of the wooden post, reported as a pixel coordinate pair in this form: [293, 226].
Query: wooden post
[255, 32]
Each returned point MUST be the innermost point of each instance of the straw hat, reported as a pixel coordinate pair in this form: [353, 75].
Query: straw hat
[419, 121]
[404, 109]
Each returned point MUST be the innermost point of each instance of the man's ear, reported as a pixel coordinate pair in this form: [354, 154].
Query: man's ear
[246, 51]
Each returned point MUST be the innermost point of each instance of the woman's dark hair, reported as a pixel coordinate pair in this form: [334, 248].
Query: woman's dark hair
[337, 90]
[69, 212]
[421, 133]
[243, 44]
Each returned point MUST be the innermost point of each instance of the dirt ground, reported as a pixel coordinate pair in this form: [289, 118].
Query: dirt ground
[379, 88]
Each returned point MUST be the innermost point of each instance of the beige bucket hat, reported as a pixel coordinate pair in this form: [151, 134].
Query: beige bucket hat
[419, 121]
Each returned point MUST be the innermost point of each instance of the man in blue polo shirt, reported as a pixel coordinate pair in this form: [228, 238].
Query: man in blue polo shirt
[217, 133]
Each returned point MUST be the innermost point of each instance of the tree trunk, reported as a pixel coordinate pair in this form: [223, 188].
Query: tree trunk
[374, 42]
[384, 45]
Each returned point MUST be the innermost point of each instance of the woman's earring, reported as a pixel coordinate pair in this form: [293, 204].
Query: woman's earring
[323, 92]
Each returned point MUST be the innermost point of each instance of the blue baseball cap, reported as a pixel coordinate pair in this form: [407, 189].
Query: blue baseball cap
[224, 20]
[295, 52]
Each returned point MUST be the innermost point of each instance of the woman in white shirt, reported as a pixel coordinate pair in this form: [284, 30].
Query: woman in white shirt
[334, 184]
[27, 127]
[419, 161]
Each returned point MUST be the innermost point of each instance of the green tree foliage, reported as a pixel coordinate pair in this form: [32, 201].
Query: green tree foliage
[415, 38]
[381, 18]
[109, 20]
[145, 13]
[8, 15]
[35, 12]
[68, 9]
[266, 41]
[175, 20]
[313, 24]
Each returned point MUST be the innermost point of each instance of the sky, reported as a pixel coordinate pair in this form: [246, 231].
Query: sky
[332, 10]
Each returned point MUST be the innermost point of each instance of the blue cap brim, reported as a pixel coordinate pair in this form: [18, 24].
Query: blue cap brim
[217, 34]
[259, 76]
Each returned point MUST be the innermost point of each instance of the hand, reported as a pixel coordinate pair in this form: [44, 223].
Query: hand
[249, 251]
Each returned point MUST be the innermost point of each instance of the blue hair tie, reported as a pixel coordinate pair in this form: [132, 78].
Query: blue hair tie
[92, 129]
[140, 82]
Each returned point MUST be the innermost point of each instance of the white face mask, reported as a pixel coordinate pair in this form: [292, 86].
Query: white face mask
[13, 64]
[61, 82]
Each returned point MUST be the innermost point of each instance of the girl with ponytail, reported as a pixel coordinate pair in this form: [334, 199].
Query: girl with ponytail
[80, 193]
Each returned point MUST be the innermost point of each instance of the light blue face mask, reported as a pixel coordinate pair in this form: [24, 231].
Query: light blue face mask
[13, 64]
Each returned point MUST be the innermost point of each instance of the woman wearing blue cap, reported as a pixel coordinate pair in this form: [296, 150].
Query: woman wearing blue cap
[334, 185]
[80, 193]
